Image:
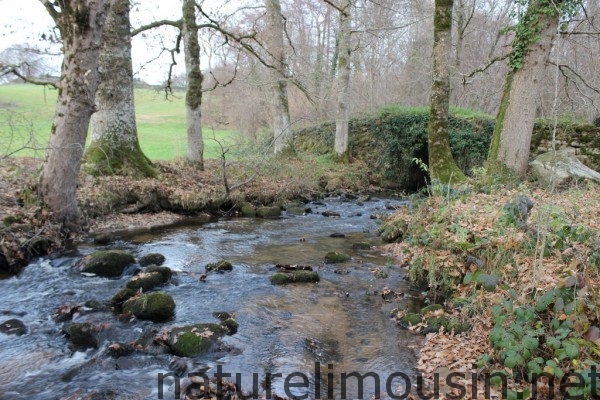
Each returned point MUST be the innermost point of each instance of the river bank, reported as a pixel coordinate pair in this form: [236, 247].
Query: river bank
[180, 190]
[520, 265]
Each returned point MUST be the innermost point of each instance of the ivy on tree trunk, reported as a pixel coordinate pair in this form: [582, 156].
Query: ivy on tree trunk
[534, 38]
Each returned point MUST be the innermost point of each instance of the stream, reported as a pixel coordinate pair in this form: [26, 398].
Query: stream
[342, 323]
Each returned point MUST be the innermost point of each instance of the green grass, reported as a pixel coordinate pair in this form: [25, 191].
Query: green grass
[26, 113]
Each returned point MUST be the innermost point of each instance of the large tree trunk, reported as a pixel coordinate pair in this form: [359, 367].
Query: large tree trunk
[343, 82]
[81, 23]
[280, 112]
[114, 148]
[441, 163]
[193, 96]
[511, 140]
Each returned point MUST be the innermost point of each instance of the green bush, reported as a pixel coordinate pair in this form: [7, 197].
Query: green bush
[389, 142]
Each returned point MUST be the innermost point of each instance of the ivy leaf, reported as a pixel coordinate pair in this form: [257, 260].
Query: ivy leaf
[544, 301]
[559, 305]
[530, 342]
[511, 359]
[534, 368]
[572, 350]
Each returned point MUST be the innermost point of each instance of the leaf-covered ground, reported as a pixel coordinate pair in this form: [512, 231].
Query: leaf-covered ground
[453, 240]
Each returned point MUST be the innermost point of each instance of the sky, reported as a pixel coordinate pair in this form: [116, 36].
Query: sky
[24, 22]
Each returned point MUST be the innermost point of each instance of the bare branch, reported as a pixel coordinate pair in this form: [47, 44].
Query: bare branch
[564, 67]
[173, 51]
[484, 68]
[579, 33]
[50, 8]
[219, 84]
[156, 24]
[335, 6]
[14, 69]
[386, 28]
[468, 21]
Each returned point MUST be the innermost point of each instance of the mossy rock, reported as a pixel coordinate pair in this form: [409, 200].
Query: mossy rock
[157, 306]
[222, 315]
[361, 246]
[166, 272]
[146, 338]
[282, 278]
[13, 327]
[220, 266]
[268, 212]
[82, 335]
[152, 259]
[96, 305]
[393, 231]
[107, 263]
[145, 281]
[434, 324]
[334, 257]
[118, 349]
[294, 210]
[194, 340]
[103, 239]
[248, 210]
[409, 320]
[431, 308]
[231, 325]
[122, 296]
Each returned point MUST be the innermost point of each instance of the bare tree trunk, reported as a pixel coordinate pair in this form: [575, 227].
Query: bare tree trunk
[280, 112]
[193, 96]
[460, 33]
[511, 140]
[343, 82]
[114, 148]
[441, 163]
[81, 23]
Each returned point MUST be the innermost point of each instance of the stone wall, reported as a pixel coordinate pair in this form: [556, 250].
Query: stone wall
[581, 140]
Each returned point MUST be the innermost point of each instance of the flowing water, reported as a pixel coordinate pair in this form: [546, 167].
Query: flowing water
[340, 325]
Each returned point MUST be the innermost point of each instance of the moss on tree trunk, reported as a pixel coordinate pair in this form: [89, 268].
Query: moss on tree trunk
[193, 95]
[441, 163]
[534, 37]
[109, 158]
[114, 148]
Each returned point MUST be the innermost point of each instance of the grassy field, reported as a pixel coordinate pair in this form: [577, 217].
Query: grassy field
[26, 113]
